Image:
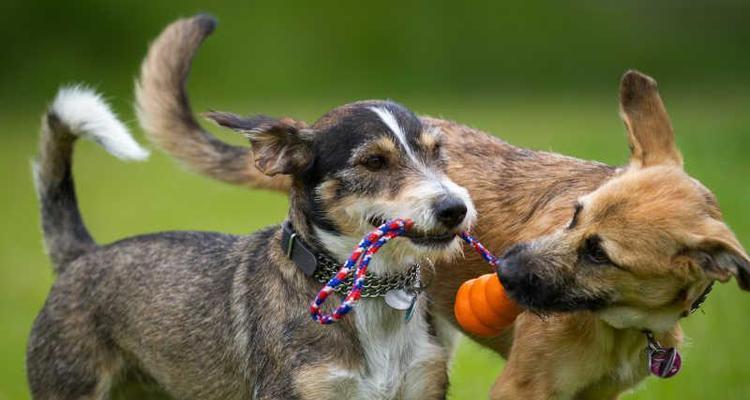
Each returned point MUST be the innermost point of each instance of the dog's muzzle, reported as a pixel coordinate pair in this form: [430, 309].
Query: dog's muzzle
[524, 278]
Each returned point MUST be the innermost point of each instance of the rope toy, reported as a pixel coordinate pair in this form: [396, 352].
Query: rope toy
[369, 245]
[479, 247]
[485, 313]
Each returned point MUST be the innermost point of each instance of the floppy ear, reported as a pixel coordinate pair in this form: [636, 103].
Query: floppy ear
[649, 130]
[722, 257]
[280, 146]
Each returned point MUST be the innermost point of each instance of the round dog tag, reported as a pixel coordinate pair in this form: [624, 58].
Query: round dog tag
[399, 299]
[664, 363]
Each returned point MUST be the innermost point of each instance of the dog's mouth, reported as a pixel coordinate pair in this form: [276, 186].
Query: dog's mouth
[541, 298]
[420, 237]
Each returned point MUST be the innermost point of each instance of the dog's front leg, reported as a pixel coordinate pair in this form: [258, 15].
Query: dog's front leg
[604, 390]
[427, 380]
[516, 383]
[555, 357]
[525, 385]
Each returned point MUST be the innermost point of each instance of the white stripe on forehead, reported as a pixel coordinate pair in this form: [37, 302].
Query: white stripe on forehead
[390, 121]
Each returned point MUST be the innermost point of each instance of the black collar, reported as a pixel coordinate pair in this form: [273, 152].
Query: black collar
[701, 299]
[300, 252]
[323, 267]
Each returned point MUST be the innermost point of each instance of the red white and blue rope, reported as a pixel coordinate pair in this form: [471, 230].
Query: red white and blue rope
[479, 247]
[363, 253]
[369, 245]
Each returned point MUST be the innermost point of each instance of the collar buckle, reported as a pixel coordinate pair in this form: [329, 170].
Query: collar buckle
[297, 251]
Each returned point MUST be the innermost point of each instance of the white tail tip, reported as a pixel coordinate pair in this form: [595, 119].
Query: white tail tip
[88, 115]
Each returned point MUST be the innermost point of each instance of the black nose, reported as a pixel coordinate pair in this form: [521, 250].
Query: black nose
[450, 211]
[508, 269]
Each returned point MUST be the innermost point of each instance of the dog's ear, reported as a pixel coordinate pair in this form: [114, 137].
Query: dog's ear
[649, 129]
[721, 256]
[280, 146]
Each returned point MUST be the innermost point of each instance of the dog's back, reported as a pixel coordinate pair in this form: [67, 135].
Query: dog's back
[127, 302]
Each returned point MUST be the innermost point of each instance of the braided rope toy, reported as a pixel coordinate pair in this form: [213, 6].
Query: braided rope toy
[369, 245]
[479, 247]
[485, 314]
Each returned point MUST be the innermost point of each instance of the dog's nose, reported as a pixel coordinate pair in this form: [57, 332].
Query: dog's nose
[508, 267]
[450, 211]
[507, 273]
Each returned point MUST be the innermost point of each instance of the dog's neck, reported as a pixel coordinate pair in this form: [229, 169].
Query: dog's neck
[620, 346]
[392, 259]
[301, 219]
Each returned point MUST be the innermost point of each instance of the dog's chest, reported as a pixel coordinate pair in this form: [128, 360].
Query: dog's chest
[397, 354]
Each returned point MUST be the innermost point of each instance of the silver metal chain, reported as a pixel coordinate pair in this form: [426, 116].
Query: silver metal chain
[375, 285]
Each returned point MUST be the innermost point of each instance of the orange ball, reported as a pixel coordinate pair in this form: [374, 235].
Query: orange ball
[482, 307]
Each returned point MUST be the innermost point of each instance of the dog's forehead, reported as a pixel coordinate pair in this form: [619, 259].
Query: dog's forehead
[365, 120]
[649, 193]
[649, 209]
[344, 130]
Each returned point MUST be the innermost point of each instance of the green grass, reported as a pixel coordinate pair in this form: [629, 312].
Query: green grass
[120, 199]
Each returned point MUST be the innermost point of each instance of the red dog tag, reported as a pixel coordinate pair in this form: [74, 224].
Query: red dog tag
[662, 362]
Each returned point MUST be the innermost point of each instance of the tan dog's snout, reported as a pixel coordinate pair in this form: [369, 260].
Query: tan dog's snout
[547, 281]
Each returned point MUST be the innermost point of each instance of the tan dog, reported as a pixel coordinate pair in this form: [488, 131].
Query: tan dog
[604, 253]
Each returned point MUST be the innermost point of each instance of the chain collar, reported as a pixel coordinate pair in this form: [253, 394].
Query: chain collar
[323, 267]
[375, 285]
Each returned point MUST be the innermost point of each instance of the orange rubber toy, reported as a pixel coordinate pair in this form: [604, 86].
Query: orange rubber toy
[483, 308]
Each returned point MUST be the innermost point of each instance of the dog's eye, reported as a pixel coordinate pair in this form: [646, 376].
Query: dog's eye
[576, 213]
[593, 251]
[374, 163]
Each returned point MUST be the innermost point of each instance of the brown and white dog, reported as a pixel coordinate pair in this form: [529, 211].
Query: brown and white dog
[604, 253]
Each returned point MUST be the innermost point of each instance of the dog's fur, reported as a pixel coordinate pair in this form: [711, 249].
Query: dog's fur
[211, 316]
[602, 252]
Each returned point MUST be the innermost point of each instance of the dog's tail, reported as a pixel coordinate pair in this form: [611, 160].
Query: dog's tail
[164, 110]
[75, 112]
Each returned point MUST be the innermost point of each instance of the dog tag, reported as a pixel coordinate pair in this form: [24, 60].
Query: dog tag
[664, 362]
[412, 307]
[399, 299]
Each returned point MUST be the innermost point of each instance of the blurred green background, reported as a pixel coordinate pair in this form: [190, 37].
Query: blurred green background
[537, 74]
